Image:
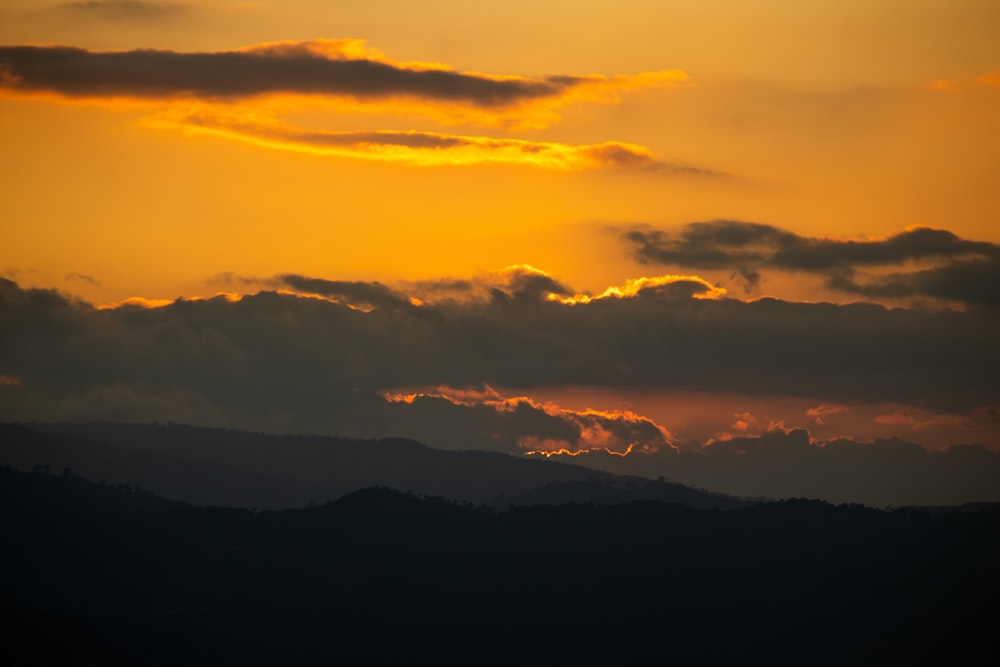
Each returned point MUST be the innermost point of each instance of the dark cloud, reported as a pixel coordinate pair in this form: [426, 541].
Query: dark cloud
[278, 361]
[972, 281]
[710, 245]
[455, 418]
[964, 271]
[319, 364]
[682, 289]
[284, 68]
[125, 9]
[441, 289]
[526, 283]
[523, 284]
[354, 293]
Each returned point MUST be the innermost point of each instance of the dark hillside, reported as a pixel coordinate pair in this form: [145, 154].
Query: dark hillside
[238, 468]
[381, 577]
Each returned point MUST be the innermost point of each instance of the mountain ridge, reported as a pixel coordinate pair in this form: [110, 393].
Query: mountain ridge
[230, 467]
[384, 577]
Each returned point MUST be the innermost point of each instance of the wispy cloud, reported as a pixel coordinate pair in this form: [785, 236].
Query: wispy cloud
[423, 148]
[82, 277]
[819, 414]
[987, 80]
[124, 10]
[975, 420]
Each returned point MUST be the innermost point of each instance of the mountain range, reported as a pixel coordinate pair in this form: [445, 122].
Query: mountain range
[101, 574]
[226, 467]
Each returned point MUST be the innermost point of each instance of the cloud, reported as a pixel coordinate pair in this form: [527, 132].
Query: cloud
[237, 94]
[987, 80]
[424, 148]
[981, 416]
[723, 243]
[746, 424]
[971, 281]
[337, 68]
[518, 283]
[938, 264]
[81, 277]
[358, 294]
[657, 286]
[124, 10]
[454, 417]
[136, 302]
[316, 354]
[820, 412]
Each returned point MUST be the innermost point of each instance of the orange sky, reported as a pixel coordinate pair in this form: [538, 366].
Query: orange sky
[824, 119]
[848, 120]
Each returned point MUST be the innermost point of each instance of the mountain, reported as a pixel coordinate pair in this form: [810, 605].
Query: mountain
[618, 490]
[380, 577]
[226, 467]
[43, 494]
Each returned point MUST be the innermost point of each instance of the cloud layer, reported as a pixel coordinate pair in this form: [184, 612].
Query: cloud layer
[357, 358]
[315, 348]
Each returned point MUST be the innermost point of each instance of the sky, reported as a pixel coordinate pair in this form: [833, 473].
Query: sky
[545, 228]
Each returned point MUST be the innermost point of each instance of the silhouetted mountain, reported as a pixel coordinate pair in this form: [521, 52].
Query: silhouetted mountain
[229, 467]
[618, 490]
[383, 577]
[45, 493]
[201, 482]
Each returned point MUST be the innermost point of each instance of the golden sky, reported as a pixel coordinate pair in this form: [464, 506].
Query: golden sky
[823, 151]
[850, 119]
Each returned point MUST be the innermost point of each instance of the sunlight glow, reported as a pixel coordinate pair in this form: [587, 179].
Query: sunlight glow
[136, 302]
[142, 302]
[633, 286]
[549, 453]
[612, 431]
[422, 149]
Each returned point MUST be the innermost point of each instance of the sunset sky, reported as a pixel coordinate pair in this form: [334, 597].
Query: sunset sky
[530, 226]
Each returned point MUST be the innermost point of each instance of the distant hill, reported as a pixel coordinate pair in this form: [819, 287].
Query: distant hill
[620, 490]
[226, 467]
[43, 493]
[99, 575]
